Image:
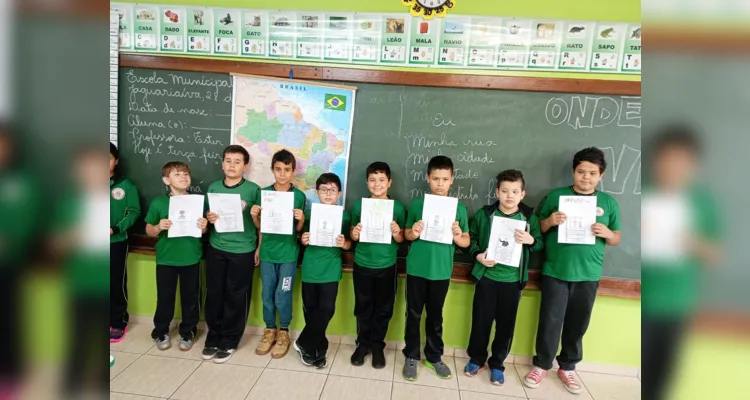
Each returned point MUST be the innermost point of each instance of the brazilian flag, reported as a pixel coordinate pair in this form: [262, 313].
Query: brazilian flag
[335, 102]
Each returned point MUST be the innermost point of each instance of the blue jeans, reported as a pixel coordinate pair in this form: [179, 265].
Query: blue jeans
[278, 281]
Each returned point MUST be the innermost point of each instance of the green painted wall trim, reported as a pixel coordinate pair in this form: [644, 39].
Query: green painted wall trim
[614, 335]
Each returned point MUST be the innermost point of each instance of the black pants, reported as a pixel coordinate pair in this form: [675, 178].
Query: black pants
[428, 295]
[229, 285]
[86, 347]
[319, 305]
[118, 285]
[166, 290]
[662, 339]
[566, 306]
[10, 338]
[374, 295]
[498, 302]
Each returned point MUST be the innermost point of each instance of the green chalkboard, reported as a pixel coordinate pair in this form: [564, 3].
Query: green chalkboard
[486, 131]
[483, 131]
[172, 116]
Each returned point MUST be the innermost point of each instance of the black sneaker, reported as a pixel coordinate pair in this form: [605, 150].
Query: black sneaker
[306, 359]
[223, 355]
[209, 352]
[378, 359]
[358, 357]
[320, 363]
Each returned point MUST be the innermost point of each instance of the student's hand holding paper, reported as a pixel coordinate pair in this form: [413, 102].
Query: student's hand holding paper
[305, 238]
[299, 215]
[523, 237]
[416, 229]
[202, 223]
[340, 239]
[212, 217]
[601, 230]
[165, 224]
[456, 229]
[356, 232]
[557, 218]
[482, 258]
[395, 229]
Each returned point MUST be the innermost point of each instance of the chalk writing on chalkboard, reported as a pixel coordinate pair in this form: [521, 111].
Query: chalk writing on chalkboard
[588, 112]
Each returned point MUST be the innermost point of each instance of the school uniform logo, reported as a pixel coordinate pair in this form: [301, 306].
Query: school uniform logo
[244, 205]
[118, 193]
[599, 211]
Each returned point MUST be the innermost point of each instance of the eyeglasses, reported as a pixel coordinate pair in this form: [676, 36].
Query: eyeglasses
[328, 190]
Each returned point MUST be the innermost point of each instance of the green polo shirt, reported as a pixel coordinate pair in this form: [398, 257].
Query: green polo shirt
[377, 255]
[282, 249]
[175, 252]
[323, 264]
[237, 242]
[577, 262]
[432, 260]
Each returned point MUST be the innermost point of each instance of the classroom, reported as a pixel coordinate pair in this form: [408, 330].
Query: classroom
[344, 84]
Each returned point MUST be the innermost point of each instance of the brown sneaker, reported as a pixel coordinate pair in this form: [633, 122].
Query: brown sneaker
[282, 345]
[266, 342]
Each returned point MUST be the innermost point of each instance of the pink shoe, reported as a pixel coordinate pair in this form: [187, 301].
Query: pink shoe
[534, 377]
[570, 381]
[117, 335]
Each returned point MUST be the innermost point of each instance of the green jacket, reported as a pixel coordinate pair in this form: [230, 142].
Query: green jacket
[479, 232]
[124, 207]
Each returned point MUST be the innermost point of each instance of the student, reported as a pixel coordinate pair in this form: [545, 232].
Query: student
[571, 272]
[229, 262]
[498, 286]
[176, 258]
[682, 234]
[375, 272]
[278, 262]
[321, 273]
[429, 266]
[124, 210]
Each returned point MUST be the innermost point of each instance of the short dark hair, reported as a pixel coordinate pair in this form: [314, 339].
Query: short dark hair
[439, 162]
[592, 155]
[174, 166]
[285, 157]
[677, 135]
[511, 175]
[236, 149]
[378, 167]
[326, 178]
[113, 151]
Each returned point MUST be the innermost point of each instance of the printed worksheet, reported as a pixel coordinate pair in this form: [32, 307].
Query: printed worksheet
[580, 212]
[665, 227]
[438, 215]
[184, 212]
[502, 246]
[377, 216]
[325, 224]
[277, 212]
[229, 208]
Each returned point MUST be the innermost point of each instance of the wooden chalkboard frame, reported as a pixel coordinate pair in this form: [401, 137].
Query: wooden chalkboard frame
[612, 287]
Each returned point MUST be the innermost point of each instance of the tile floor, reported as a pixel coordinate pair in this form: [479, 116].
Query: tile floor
[143, 372]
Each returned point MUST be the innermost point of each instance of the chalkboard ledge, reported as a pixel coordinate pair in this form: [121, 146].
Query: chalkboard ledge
[609, 287]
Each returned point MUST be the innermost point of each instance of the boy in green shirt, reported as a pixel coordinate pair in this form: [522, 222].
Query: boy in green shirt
[176, 258]
[321, 273]
[375, 272]
[498, 286]
[230, 262]
[278, 257]
[429, 267]
[124, 210]
[674, 209]
[571, 272]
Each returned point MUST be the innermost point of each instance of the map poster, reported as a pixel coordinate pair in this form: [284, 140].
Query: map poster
[311, 120]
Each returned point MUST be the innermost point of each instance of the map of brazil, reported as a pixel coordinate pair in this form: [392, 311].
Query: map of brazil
[312, 121]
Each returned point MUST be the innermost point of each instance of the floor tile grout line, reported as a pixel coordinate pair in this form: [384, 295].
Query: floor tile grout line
[129, 365]
[263, 371]
[131, 394]
[186, 379]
